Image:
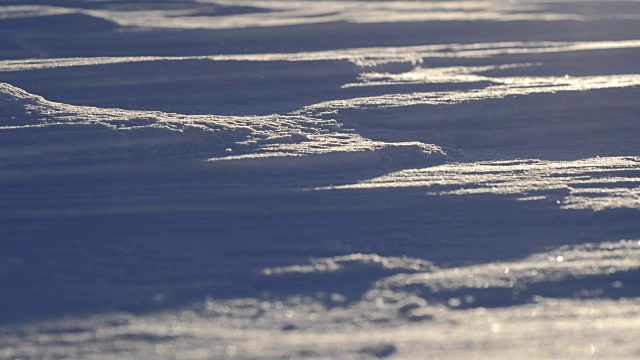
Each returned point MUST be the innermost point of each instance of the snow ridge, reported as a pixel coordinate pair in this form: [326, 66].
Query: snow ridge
[243, 136]
[364, 57]
[597, 183]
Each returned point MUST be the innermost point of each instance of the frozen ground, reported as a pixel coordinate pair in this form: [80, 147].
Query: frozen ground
[262, 179]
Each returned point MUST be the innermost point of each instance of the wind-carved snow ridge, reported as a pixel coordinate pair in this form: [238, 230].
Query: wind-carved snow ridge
[439, 75]
[198, 15]
[598, 183]
[558, 264]
[364, 57]
[338, 263]
[28, 11]
[449, 289]
[506, 86]
[565, 261]
[244, 136]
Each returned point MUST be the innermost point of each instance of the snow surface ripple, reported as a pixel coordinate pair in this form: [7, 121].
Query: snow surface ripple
[401, 179]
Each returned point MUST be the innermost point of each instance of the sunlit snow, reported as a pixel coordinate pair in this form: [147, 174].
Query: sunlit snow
[257, 179]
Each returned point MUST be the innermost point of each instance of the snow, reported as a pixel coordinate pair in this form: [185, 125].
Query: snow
[588, 183]
[319, 179]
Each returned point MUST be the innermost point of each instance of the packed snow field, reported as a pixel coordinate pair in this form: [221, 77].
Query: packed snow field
[254, 179]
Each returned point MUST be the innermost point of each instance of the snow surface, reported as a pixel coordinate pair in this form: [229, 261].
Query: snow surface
[253, 179]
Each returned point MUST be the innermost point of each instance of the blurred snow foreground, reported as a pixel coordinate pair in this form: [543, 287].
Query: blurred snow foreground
[319, 179]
